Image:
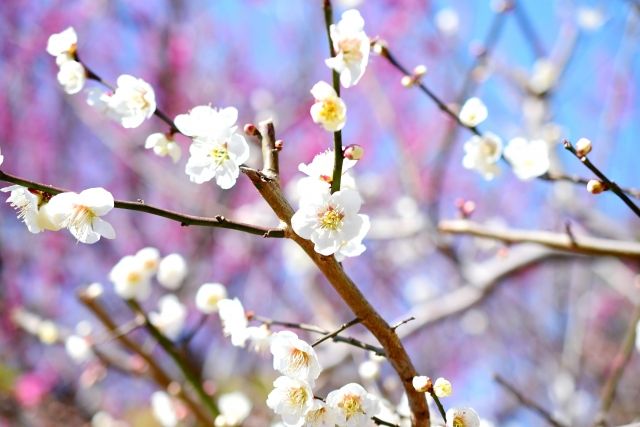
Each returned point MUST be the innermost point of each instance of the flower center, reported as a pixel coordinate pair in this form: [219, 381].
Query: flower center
[331, 111]
[298, 396]
[489, 147]
[351, 405]
[317, 415]
[298, 358]
[458, 421]
[219, 154]
[331, 219]
[81, 221]
[350, 50]
[134, 277]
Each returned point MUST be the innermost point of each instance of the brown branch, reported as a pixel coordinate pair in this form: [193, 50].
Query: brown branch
[159, 375]
[575, 179]
[528, 402]
[351, 295]
[267, 135]
[620, 363]
[218, 221]
[579, 244]
[609, 184]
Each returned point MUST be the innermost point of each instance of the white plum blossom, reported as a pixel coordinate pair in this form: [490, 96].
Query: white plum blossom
[164, 409]
[421, 383]
[321, 415]
[354, 247]
[208, 296]
[294, 357]
[320, 174]
[473, 112]
[81, 213]
[78, 348]
[171, 271]
[447, 21]
[72, 76]
[217, 149]
[291, 399]
[330, 221]
[234, 321]
[462, 417]
[163, 145]
[369, 370]
[259, 338]
[351, 46]
[234, 409]
[442, 387]
[133, 101]
[130, 278]
[482, 154]
[150, 259]
[529, 159]
[63, 45]
[329, 110]
[32, 208]
[355, 406]
[543, 77]
[171, 317]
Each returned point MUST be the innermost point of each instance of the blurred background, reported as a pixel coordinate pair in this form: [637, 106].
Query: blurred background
[550, 323]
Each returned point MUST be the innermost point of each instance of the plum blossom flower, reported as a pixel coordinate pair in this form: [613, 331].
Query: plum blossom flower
[81, 213]
[544, 76]
[473, 112]
[259, 338]
[352, 47]
[163, 145]
[234, 409]
[32, 208]
[482, 154]
[72, 76]
[320, 174]
[208, 296]
[329, 110]
[529, 159]
[150, 259]
[462, 417]
[164, 410]
[294, 357]
[442, 387]
[130, 278]
[291, 399]
[421, 383]
[354, 247]
[171, 317]
[234, 321]
[217, 149]
[330, 221]
[354, 405]
[321, 415]
[171, 271]
[133, 101]
[63, 45]
[78, 348]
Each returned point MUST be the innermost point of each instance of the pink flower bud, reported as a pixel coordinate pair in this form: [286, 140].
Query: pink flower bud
[353, 152]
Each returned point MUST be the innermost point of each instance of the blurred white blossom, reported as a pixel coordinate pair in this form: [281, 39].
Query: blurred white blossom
[529, 159]
[164, 409]
[473, 112]
[234, 321]
[72, 76]
[590, 18]
[482, 154]
[234, 409]
[543, 76]
[447, 21]
[352, 47]
[130, 278]
[208, 296]
[78, 348]
[63, 45]
[170, 318]
[163, 145]
[172, 270]
[150, 259]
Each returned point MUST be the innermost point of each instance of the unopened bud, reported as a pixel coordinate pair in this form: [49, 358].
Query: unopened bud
[420, 70]
[583, 147]
[407, 81]
[422, 384]
[353, 152]
[250, 129]
[279, 144]
[595, 186]
[378, 47]
[442, 387]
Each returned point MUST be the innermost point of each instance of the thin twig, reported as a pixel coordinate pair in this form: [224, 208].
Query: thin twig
[140, 206]
[610, 184]
[522, 18]
[380, 422]
[578, 244]
[403, 322]
[336, 332]
[526, 401]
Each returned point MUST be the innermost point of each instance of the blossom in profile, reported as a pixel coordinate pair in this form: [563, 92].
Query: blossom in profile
[294, 357]
[133, 101]
[63, 45]
[172, 271]
[72, 76]
[354, 405]
[473, 112]
[482, 154]
[292, 399]
[208, 296]
[320, 174]
[80, 213]
[163, 145]
[442, 387]
[462, 417]
[330, 221]
[217, 150]
[32, 208]
[234, 321]
[351, 46]
[329, 110]
[130, 278]
[529, 159]
[171, 317]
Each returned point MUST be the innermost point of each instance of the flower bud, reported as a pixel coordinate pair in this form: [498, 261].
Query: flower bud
[422, 384]
[353, 152]
[378, 47]
[595, 186]
[420, 70]
[279, 144]
[407, 81]
[250, 129]
[583, 147]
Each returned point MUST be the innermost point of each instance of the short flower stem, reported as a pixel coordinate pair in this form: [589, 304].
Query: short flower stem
[171, 350]
[337, 136]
